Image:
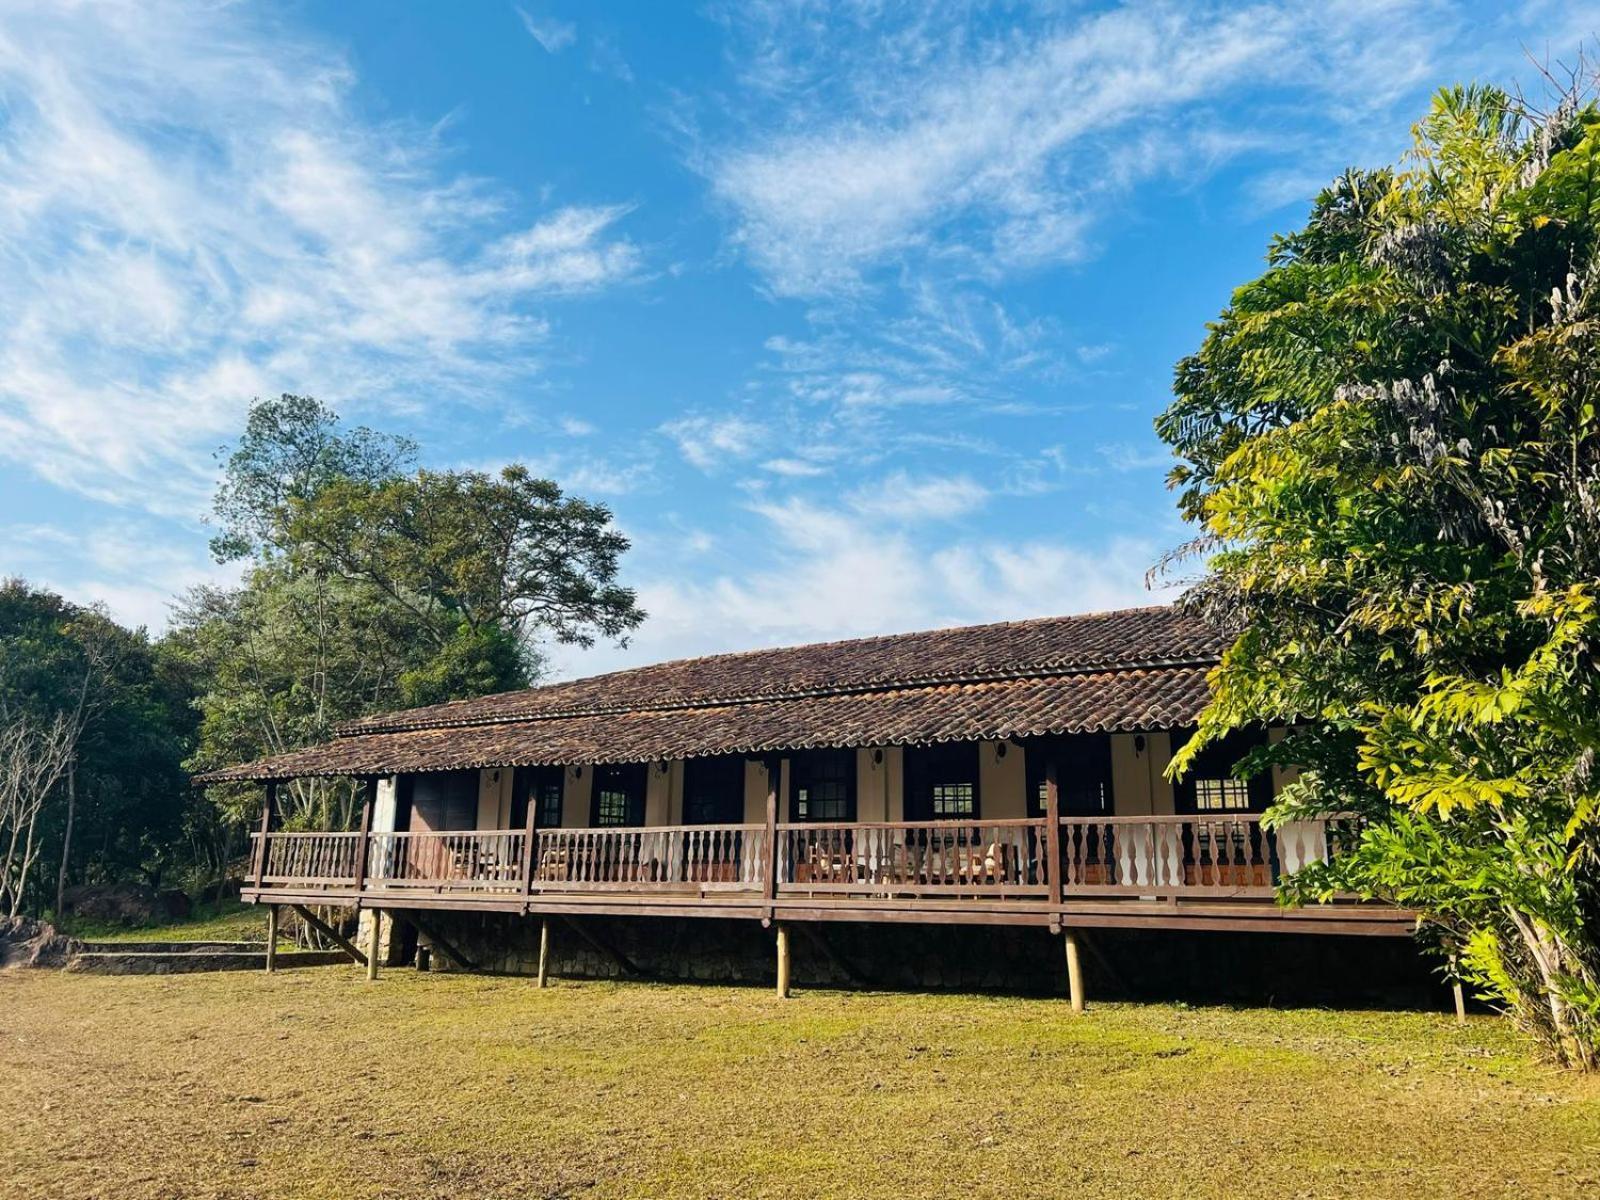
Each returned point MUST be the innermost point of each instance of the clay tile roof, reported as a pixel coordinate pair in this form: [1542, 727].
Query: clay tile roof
[1134, 669]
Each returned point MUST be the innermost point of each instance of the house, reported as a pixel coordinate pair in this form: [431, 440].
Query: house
[1006, 774]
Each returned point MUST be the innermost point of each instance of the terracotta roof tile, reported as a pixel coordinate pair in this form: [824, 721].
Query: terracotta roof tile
[1137, 637]
[1105, 701]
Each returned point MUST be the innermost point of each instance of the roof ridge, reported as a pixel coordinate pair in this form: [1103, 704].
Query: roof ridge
[382, 721]
[1042, 671]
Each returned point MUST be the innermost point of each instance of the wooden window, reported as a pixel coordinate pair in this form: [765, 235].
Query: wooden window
[443, 800]
[542, 787]
[713, 790]
[1210, 785]
[1083, 774]
[942, 782]
[618, 794]
[822, 786]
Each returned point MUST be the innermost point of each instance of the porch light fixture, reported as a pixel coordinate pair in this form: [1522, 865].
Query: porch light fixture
[877, 757]
[999, 751]
[1138, 743]
[577, 772]
[662, 766]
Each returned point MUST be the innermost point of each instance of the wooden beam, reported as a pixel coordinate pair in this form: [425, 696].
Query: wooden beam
[272, 938]
[269, 801]
[544, 952]
[530, 835]
[1052, 831]
[439, 943]
[373, 936]
[783, 961]
[769, 888]
[329, 932]
[629, 968]
[1074, 972]
[369, 787]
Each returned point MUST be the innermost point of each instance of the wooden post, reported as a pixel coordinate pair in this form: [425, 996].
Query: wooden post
[530, 832]
[1052, 837]
[372, 944]
[1074, 972]
[783, 961]
[544, 952]
[272, 938]
[269, 801]
[1456, 991]
[774, 856]
[370, 788]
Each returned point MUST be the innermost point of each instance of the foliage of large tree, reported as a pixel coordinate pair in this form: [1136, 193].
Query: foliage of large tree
[1391, 442]
[372, 586]
[120, 804]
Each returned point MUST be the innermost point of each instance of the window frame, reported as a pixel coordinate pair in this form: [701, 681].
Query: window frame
[1083, 774]
[840, 765]
[713, 790]
[943, 765]
[629, 780]
[1214, 766]
[548, 784]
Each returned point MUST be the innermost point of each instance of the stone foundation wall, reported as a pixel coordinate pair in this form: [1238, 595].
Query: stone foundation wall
[1260, 968]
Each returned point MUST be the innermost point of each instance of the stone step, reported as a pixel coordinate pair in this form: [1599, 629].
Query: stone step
[184, 962]
[172, 947]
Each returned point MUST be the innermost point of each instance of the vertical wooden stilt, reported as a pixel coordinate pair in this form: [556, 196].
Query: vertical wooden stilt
[1457, 993]
[783, 962]
[272, 937]
[373, 935]
[544, 952]
[1074, 972]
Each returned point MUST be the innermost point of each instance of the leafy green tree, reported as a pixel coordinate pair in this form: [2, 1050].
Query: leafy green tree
[122, 808]
[1390, 443]
[371, 587]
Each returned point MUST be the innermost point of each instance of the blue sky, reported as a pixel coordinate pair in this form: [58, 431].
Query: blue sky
[857, 315]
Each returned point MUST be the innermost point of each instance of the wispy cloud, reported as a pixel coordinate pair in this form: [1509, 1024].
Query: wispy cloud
[952, 143]
[713, 442]
[553, 34]
[904, 498]
[191, 213]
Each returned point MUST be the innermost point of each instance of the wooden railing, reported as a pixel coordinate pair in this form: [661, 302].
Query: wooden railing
[1214, 855]
[1217, 853]
[471, 860]
[910, 858]
[668, 857]
[311, 859]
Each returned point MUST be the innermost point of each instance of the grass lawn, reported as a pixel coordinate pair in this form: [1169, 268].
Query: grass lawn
[313, 1083]
[229, 921]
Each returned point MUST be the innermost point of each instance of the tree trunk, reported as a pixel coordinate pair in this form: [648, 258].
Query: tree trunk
[66, 838]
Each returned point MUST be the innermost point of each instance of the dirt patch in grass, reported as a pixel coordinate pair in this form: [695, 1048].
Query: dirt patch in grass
[315, 1084]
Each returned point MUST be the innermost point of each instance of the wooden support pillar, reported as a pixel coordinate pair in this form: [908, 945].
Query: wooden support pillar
[1052, 839]
[783, 961]
[1074, 971]
[369, 788]
[774, 856]
[272, 938]
[269, 801]
[373, 936]
[332, 934]
[544, 952]
[1456, 991]
[530, 859]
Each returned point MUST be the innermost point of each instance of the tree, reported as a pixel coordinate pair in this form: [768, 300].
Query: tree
[372, 588]
[117, 807]
[1390, 443]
